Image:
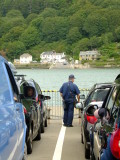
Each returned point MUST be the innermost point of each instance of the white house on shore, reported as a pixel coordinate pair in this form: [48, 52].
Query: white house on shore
[25, 58]
[52, 57]
[89, 55]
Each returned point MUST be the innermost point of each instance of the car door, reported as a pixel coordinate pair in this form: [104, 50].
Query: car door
[29, 105]
[39, 110]
[18, 115]
[103, 128]
[9, 121]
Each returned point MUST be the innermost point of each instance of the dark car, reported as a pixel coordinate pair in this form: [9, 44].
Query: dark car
[32, 112]
[41, 99]
[105, 135]
[95, 99]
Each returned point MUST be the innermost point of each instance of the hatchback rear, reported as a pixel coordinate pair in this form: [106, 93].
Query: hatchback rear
[94, 100]
[105, 136]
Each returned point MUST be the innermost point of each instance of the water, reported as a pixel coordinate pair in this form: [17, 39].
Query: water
[54, 78]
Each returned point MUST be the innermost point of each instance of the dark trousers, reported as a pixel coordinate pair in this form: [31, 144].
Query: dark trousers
[68, 114]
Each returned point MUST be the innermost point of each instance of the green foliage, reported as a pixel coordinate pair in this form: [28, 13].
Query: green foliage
[30, 37]
[117, 32]
[96, 24]
[73, 35]
[49, 12]
[30, 17]
[54, 29]
[13, 34]
[63, 25]
[13, 49]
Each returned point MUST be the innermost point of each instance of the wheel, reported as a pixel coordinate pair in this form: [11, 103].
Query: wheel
[82, 139]
[38, 137]
[29, 143]
[46, 122]
[87, 151]
[42, 128]
[92, 157]
[25, 152]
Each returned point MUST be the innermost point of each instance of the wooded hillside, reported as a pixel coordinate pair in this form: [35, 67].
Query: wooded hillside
[67, 26]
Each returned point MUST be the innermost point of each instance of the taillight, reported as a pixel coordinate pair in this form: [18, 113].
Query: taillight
[25, 111]
[37, 99]
[91, 119]
[115, 144]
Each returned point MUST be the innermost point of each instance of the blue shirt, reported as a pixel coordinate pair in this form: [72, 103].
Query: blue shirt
[69, 91]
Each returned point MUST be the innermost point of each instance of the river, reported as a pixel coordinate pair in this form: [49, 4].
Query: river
[54, 78]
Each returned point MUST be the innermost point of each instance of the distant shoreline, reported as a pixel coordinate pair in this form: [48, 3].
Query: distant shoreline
[60, 66]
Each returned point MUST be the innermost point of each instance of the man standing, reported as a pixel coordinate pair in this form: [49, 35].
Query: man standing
[68, 92]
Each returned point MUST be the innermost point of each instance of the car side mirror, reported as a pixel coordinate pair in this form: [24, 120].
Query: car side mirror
[42, 97]
[29, 92]
[82, 96]
[79, 106]
[47, 97]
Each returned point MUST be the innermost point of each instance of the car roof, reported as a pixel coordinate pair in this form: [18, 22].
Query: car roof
[103, 85]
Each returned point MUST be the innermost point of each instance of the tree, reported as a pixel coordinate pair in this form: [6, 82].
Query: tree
[30, 37]
[54, 29]
[95, 24]
[95, 42]
[117, 33]
[13, 49]
[31, 17]
[73, 35]
[13, 34]
[107, 38]
[49, 12]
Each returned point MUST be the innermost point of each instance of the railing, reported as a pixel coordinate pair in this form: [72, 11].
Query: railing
[54, 105]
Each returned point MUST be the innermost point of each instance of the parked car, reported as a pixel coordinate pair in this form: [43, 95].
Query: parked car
[41, 99]
[32, 112]
[105, 135]
[94, 100]
[12, 120]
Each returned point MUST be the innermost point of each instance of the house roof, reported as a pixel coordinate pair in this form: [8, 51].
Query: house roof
[51, 53]
[83, 53]
[25, 55]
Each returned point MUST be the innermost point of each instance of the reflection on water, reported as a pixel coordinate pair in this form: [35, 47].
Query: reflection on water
[85, 78]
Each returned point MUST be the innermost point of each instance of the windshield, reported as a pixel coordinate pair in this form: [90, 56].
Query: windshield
[5, 97]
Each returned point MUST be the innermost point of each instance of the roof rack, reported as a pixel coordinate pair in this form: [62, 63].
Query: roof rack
[20, 77]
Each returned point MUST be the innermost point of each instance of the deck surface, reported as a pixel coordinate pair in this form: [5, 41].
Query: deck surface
[72, 148]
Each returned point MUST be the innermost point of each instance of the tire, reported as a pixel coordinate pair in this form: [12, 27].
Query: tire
[82, 139]
[42, 128]
[46, 122]
[92, 157]
[29, 143]
[25, 152]
[38, 137]
[87, 152]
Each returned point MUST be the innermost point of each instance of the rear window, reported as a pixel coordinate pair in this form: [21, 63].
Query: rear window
[99, 94]
[5, 97]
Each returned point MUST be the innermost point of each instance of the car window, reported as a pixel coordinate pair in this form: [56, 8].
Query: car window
[13, 83]
[38, 88]
[5, 97]
[115, 109]
[97, 95]
[22, 86]
[100, 94]
[112, 100]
